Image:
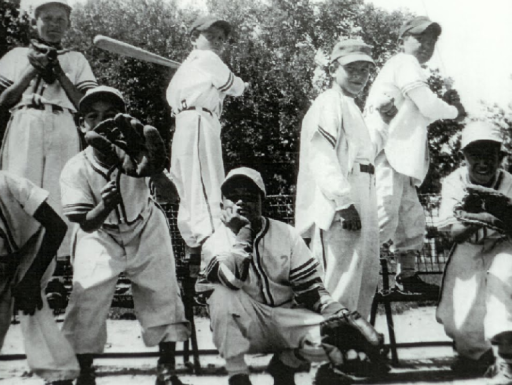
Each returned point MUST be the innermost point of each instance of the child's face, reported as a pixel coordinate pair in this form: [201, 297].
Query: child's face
[352, 77]
[420, 46]
[483, 159]
[52, 23]
[245, 199]
[213, 39]
[100, 110]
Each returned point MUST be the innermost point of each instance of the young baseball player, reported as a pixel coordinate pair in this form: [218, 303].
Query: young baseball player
[476, 299]
[266, 293]
[30, 234]
[196, 94]
[336, 184]
[402, 161]
[120, 229]
[42, 85]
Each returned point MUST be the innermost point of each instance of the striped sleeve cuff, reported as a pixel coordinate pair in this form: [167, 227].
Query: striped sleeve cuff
[226, 86]
[328, 136]
[411, 86]
[77, 209]
[86, 84]
[304, 271]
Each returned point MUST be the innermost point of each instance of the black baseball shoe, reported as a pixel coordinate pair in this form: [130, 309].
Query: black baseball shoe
[282, 374]
[240, 379]
[166, 375]
[466, 366]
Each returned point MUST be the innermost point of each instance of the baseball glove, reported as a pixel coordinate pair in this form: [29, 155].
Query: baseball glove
[486, 207]
[348, 331]
[43, 57]
[138, 150]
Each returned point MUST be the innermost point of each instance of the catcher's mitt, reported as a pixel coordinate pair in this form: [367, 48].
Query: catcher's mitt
[486, 207]
[349, 332]
[43, 57]
[138, 150]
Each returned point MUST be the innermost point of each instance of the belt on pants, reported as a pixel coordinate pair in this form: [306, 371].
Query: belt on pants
[369, 168]
[45, 106]
[196, 109]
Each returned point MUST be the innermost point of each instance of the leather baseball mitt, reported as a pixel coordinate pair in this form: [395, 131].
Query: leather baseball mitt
[43, 57]
[348, 331]
[486, 207]
[138, 150]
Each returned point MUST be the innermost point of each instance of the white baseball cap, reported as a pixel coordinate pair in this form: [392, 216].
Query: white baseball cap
[248, 173]
[479, 130]
[104, 93]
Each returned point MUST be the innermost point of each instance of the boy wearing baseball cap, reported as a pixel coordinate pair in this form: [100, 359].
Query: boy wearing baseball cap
[402, 161]
[266, 293]
[476, 300]
[336, 184]
[119, 229]
[196, 94]
[41, 85]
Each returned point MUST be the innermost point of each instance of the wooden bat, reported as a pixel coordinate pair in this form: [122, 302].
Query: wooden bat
[122, 48]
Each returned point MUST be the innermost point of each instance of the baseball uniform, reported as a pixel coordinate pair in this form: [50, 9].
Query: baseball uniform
[134, 239]
[476, 298]
[41, 135]
[402, 161]
[196, 94]
[271, 312]
[49, 355]
[336, 171]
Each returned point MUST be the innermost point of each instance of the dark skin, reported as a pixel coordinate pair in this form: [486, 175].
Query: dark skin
[27, 292]
[242, 204]
[483, 159]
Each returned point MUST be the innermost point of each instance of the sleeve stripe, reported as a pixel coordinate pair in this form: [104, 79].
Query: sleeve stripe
[412, 86]
[305, 264]
[309, 285]
[228, 84]
[82, 208]
[86, 84]
[305, 274]
[327, 136]
[4, 82]
[299, 270]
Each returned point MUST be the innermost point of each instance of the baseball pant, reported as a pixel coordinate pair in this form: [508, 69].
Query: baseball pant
[351, 258]
[242, 326]
[476, 299]
[197, 169]
[37, 145]
[143, 251]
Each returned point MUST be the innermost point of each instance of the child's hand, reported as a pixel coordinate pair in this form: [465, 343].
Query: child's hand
[386, 107]
[232, 219]
[351, 220]
[110, 195]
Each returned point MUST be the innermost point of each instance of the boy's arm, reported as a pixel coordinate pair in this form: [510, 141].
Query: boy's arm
[223, 78]
[433, 107]
[92, 220]
[28, 291]
[12, 94]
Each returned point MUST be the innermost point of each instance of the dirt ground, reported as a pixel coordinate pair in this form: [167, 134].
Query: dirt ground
[426, 365]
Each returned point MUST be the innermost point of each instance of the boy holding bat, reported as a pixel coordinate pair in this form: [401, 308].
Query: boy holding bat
[42, 85]
[196, 94]
[120, 229]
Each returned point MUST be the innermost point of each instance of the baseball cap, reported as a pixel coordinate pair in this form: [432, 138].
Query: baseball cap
[40, 3]
[205, 22]
[102, 93]
[418, 25]
[476, 131]
[247, 173]
[351, 50]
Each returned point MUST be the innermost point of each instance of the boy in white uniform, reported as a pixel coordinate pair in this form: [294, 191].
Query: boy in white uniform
[336, 184]
[476, 298]
[266, 293]
[120, 229]
[402, 161]
[42, 89]
[196, 94]
[30, 234]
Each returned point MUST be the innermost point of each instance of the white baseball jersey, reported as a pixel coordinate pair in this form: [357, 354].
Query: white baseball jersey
[404, 141]
[134, 239]
[476, 299]
[49, 355]
[202, 80]
[74, 64]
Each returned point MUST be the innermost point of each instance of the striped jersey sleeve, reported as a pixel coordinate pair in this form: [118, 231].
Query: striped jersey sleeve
[84, 77]
[306, 280]
[222, 77]
[408, 74]
[77, 198]
[9, 65]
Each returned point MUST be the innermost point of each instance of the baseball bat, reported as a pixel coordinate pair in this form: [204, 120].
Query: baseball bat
[112, 45]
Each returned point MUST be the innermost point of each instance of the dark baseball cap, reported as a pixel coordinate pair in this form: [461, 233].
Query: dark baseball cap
[351, 50]
[106, 93]
[418, 25]
[205, 22]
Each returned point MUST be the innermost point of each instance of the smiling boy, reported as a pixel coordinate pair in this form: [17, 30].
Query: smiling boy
[403, 160]
[196, 94]
[42, 85]
[476, 306]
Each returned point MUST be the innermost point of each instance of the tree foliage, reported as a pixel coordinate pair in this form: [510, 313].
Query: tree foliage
[273, 47]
